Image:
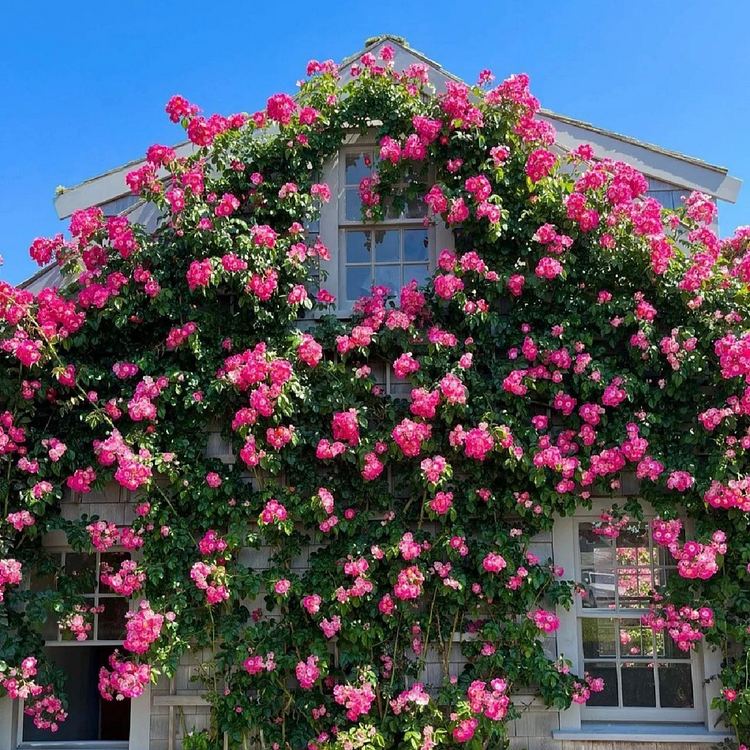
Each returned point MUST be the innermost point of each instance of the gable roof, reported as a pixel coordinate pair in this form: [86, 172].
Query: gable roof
[653, 161]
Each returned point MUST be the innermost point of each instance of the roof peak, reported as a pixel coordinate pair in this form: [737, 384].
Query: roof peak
[375, 40]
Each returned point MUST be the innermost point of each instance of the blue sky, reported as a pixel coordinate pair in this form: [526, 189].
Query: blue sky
[83, 84]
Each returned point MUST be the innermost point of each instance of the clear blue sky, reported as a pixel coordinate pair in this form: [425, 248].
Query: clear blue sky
[83, 84]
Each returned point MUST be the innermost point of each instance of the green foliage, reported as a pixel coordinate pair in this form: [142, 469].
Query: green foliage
[460, 597]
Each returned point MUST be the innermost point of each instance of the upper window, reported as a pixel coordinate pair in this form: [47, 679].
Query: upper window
[390, 253]
[101, 620]
[642, 669]
[669, 198]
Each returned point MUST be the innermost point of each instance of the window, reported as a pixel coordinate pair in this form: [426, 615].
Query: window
[90, 718]
[387, 380]
[390, 253]
[670, 198]
[644, 672]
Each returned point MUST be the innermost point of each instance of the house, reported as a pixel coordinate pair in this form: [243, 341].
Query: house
[665, 704]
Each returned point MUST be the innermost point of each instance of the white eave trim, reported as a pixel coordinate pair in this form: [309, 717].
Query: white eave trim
[106, 187]
[653, 161]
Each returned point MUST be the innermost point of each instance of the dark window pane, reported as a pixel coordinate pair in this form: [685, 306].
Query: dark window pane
[50, 629]
[358, 282]
[110, 561]
[44, 577]
[675, 685]
[638, 685]
[386, 246]
[358, 247]
[415, 208]
[415, 244]
[598, 638]
[82, 567]
[669, 649]
[392, 208]
[377, 371]
[112, 620]
[608, 672]
[114, 559]
[89, 717]
[86, 615]
[413, 171]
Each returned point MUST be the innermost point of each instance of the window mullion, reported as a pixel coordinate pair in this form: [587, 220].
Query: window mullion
[657, 671]
[97, 570]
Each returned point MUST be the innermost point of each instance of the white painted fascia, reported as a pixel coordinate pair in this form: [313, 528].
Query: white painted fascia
[108, 186]
[653, 161]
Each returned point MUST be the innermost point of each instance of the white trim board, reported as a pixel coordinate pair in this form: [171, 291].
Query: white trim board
[629, 732]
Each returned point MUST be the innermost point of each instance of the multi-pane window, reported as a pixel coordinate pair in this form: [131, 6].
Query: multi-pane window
[393, 252]
[90, 718]
[387, 380]
[642, 669]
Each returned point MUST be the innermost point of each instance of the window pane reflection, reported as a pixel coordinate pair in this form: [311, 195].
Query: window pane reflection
[358, 281]
[353, 205]
[415, 245]
[641, 668]
[389, 276]
[358, 165]
[420, 274]
[598, 638]
[386, 246]
[358, 247]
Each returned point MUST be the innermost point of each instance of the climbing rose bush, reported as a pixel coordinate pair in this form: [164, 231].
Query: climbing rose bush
[577, 334]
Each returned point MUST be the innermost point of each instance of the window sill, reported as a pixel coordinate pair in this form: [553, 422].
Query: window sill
[75, 745]
[628, 732]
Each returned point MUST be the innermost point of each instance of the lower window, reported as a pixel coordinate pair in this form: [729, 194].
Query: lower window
[90, 718]
[100, 623]
[639, 668]
[646, 676]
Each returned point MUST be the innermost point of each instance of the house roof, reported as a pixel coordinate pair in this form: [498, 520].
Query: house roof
[662, 164]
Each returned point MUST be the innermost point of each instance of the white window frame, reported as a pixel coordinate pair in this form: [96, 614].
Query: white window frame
[333, 224]
[11, 711]
[705, 660]
[630, 713]
[347, 225]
